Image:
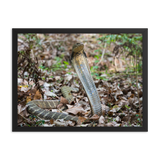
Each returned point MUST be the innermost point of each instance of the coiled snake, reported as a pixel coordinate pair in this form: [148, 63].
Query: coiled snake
[80, 63]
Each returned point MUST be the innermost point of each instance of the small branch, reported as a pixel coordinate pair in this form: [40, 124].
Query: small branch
[137, 80]
[103, 52]
[26, 119]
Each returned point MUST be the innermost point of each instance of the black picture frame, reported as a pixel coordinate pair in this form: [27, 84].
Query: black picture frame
[143, 31]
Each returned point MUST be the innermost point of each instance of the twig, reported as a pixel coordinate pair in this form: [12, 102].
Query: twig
[50, 42]
[137, 80]
[26, 119]
[54, 41]
[103, 52]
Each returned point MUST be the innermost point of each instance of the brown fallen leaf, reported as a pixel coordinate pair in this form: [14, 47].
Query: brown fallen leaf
[37, 96]
[57, 78]
[60, 106]
[41, 36]
[109, 124]
[60, 124]
[22, 110]
[51, 121]
[85, 99]
[101, 120]
[67, 78]
[69, 106]
[100, 125]
[29, 98]
[81, 120]
[71, 123]
[105, 109]
[94, 117]
[24, 89]
[76, 110]
[63, 100]
[88, 113]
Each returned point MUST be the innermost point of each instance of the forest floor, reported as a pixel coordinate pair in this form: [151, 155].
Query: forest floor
[44, 67]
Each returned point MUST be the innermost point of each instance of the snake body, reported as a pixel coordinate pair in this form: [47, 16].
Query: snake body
[37, 107]
[80, 63]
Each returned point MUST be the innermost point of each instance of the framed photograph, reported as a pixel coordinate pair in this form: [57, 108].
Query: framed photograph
[80, 79]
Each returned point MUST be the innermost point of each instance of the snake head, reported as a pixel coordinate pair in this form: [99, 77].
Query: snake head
[77, 48]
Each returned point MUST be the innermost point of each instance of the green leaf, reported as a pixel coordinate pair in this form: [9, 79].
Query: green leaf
[65, 62]
[96, 61]
[98, 77]
[127, 106]
[58, 59]
[95, 67]
[105, 79]
[96, 56]
[97, 50]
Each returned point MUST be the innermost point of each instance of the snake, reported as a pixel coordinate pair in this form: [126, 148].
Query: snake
[81, 66]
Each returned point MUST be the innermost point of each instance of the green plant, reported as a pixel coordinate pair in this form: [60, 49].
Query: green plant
[96, 75]
[59, 65]
[127, 106]
[40, 122]
[130, 44]
[65, 64]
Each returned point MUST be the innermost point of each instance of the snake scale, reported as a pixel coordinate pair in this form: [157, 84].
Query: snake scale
[81, 66]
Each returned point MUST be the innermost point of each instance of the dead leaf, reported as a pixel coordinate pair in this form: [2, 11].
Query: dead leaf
[60, 106]
[68, 77]
[118, 119]
[24, 89]
[76, 110]
[22, 110]
[19, 119]
[81, 120]
[101, 120]
[115, 109]
[49, 80]
[71, 123]
[57, 78]
[47, 85]
[129, 94]
[60, 124]
[28, 99]
[74, 94]
[41, 83]
[37, 96]
[20, 81]
[41, 36]
[88, 113]
[51, 94]
[69, 106]
[119, 65]
[100, 125]
[94, 117]
[64, 100]
[105, 109]
[48, 125]
[84, 105]
[109, 124]
[51, 121]
[85, 99]
[19, 107]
